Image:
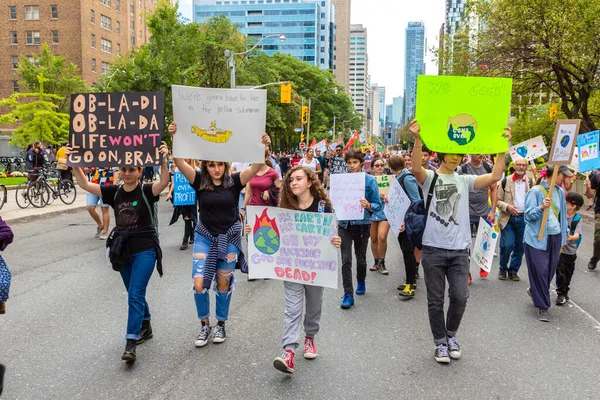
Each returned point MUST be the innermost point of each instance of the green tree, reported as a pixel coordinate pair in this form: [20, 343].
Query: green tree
[39, 117]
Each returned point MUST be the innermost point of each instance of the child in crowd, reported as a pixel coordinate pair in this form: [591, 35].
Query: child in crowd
[568, 255]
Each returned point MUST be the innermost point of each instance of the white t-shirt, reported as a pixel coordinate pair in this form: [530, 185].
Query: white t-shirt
[448, 224]
[312, 165]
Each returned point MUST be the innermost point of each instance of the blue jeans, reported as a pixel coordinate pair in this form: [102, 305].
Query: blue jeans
[225, 268]
[511, 242]
[136, 275]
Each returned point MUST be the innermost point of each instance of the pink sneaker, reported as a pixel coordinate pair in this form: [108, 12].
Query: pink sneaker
[310, 351]
[285, 363]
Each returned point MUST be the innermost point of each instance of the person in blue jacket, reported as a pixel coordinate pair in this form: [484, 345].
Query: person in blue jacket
[357, 232]
[542, 255]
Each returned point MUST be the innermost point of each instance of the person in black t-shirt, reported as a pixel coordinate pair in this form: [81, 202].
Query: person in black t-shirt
[302, 191]
[137, 241]
[218, 236]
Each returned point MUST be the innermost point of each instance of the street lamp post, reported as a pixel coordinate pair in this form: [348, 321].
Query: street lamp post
[229, 55]
[309, 108]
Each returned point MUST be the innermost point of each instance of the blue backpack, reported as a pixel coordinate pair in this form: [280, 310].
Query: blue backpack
[574, 222]
[416, 217]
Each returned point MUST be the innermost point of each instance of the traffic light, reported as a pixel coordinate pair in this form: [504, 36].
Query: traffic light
[286, 93]
[302, 137]
[553, 111]
[304, 114]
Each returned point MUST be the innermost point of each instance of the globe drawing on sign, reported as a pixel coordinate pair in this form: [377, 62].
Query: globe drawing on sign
[565, 140]
[522, 151]
[266, 234]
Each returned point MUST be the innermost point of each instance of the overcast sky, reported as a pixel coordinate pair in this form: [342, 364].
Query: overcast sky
[386, 22]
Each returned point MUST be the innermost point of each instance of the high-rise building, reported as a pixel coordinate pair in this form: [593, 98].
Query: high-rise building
[341, 57]
[359, 68]
[398, 105]
[373, 122]
[455, 13]
[414, 65]
[390, 126]
[382, 107]
[307, 25]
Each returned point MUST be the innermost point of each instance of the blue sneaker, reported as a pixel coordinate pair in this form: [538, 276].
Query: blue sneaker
[347, 302]
[361, 288]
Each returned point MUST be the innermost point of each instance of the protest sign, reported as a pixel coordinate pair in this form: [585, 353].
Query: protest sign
[529, 149]
[574, 166]
[587, 144]
[563, 144]
[293, 246]
[463, 115]
[183, 193]
[396, 207]
[219, 124]
[384, 182]
[485, 244]
[116, 129]
[346, 192]
[322, 145]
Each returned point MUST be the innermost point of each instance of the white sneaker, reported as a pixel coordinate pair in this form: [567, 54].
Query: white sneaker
[103, 236]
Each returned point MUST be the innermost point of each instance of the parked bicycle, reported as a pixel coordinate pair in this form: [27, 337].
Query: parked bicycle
[42, 192]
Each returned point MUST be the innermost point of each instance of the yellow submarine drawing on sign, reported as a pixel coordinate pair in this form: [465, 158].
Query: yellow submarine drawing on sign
[212, 134]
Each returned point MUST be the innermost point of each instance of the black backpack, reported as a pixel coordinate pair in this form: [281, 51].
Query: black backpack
[415, 219]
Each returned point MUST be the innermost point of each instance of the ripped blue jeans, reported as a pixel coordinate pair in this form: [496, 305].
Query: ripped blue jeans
[225, 269]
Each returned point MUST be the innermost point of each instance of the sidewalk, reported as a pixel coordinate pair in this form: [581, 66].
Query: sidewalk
[11, 211]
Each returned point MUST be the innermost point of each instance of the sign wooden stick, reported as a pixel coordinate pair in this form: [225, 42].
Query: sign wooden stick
[545, 217]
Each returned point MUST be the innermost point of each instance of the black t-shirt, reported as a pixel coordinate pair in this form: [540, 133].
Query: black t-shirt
[316, 207]
[131, 211]
[218, 208]
[595, 184]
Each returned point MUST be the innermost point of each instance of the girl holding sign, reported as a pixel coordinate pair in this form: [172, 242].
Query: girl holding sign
[380, 227]
[218, 237]
[301, 191]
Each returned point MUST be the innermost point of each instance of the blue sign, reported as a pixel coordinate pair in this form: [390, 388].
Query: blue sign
[183, 194]
[587, 144]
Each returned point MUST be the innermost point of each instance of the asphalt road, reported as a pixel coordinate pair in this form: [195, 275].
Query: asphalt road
[63, 335]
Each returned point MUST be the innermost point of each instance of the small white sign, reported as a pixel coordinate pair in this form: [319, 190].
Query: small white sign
[346, 192]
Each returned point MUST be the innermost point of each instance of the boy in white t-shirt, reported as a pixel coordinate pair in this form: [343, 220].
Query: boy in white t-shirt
[447, 241]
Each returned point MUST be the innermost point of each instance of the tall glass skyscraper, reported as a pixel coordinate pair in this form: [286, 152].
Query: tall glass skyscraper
[414, 65]
[455, 12]
[308, 25]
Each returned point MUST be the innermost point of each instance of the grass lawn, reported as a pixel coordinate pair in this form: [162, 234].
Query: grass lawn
[12, 181]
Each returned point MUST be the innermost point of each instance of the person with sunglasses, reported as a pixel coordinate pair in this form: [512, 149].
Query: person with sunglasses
[133, 243]
[218, 237]
[380, 227]
[337, 163]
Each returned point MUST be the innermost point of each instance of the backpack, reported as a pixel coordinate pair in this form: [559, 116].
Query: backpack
[401, 182]
[574, 223]
[486, 166]
[152, 210]
[415, 219]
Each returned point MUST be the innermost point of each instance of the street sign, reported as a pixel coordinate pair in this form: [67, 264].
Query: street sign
[302, 145]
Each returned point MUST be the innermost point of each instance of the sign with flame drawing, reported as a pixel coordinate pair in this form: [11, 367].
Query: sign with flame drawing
[293, 246]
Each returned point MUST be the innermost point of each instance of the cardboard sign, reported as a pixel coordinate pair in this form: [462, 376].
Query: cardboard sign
[293, 246]
[396, 207]
[587, 144]
[116, 129]
[183, 193]
[563, 144]
[529, 149]
[384, 182]
[574, 166]
[485, 244]
[219, 124]
[463, 115]
[346, 192]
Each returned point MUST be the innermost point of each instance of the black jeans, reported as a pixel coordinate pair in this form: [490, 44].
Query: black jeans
[410, 261]
[359, 234]
[564, 272]
[439, 265]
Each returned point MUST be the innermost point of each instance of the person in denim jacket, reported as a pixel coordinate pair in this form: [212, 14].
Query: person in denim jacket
[357, 232]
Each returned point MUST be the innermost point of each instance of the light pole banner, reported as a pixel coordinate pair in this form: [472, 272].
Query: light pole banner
[219, 124]
[463, 115]
[293, 246]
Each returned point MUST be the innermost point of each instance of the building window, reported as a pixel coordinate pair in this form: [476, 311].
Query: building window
[105, 22]
[93, 65]
[16, 86]
[32, 37]
[322, 38]
[32, 13]
[322, 15]
[117, 5]
[322, 49]
[12, 12]
[92, 16]
[118, 49]
[54, 37]
[322, 61]
[54, 12]
[106, 45]
[105, 2]
[118, 27]
[15, 62]
[93, 41]
[254, 24]
[105, 67]
[13, 37]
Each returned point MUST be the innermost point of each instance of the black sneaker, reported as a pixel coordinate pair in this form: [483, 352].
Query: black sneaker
[543, 315]
[453, 348]
[502, 275]
[382, 267]
[129, 354]
[202, 338]
[513, 276]
[441, 354]
[184, 244]
[220, 335]
[592, 264]
[146, 332]
[561, 299]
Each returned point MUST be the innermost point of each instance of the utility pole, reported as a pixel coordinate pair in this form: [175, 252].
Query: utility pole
[308, 124]
[333, 136]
